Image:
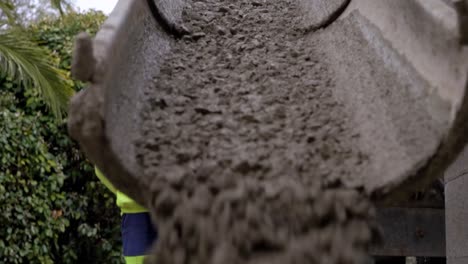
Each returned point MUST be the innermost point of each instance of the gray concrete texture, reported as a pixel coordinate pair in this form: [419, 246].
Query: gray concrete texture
[425, 36]
[104, 117]
[398, 65]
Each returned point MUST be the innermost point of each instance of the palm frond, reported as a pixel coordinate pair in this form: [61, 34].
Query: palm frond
[7, 9]
[30, 65]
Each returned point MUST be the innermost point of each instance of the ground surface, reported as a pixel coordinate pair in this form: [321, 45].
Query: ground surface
[244, 144]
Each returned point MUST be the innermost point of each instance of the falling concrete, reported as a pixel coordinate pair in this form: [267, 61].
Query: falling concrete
[251, 139]
[244, 137]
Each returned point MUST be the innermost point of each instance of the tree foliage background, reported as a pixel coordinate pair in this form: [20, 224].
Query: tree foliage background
[53, 209]
[26, 12]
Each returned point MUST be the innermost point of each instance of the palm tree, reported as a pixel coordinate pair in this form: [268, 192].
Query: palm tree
[27, 63]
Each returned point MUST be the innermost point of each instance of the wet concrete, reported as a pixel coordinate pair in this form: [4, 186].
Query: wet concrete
[260, 140]
[245, 145]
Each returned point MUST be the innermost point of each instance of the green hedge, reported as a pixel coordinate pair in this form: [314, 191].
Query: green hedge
[53, 209]
[31, 199]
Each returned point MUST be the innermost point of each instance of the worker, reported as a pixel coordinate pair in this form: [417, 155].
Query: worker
[138, 233]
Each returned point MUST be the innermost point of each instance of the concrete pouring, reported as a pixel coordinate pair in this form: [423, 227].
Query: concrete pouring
[264, 133]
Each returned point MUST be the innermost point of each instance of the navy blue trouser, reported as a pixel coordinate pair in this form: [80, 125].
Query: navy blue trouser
[138, 234]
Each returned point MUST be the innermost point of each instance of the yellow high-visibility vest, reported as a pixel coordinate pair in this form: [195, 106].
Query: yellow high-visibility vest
[125, 203]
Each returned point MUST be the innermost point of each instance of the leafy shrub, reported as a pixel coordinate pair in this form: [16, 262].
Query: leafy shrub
[30, 192]
[54, 210]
